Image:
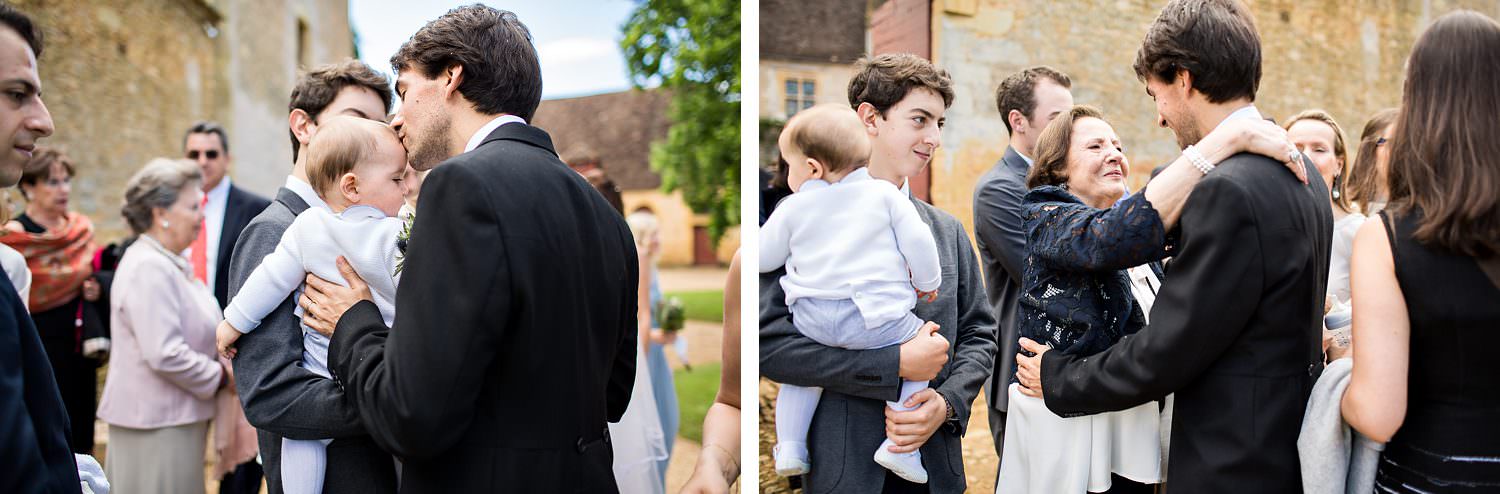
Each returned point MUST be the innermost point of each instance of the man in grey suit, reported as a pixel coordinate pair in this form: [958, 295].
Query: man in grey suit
[281, 398]
[1028, 100]
[901, 99]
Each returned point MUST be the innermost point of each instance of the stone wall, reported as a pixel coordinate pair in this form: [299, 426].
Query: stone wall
[1345, 56]
[123, 83]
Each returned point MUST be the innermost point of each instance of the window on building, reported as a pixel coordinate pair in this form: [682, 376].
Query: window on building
[800, 94]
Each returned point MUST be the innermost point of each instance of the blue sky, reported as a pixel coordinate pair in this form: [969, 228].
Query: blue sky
[577, 40]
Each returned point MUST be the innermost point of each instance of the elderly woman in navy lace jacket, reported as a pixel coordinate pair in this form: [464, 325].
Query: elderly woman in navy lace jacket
[1090, 278]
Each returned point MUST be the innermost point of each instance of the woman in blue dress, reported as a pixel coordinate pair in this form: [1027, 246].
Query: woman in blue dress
[643, 226]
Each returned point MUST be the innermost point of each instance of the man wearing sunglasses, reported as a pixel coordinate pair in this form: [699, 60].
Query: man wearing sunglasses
[226, 209]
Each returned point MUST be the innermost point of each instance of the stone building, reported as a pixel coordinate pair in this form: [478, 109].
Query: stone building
[614, 132]
[806, 49]
[1345, 56]
[123, 80]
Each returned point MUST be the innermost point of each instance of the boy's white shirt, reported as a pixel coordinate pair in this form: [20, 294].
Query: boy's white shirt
[364, 235]
[854, 239]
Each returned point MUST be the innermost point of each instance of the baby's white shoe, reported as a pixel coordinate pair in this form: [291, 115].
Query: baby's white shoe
[791, 458]
[905, 465]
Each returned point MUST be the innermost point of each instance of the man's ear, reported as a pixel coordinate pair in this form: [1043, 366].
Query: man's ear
[302, 126]
[455, 76]
[1184, 82]
[867, 115]
[1018, 123]
[349, 187]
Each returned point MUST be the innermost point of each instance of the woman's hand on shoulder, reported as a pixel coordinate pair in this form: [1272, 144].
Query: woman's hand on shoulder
[1263, 137]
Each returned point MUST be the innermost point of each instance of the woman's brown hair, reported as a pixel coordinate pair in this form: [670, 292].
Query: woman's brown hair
[1051, 167]
[39, 167]
[1445, 157]
[1366, 179]
[1338, 189]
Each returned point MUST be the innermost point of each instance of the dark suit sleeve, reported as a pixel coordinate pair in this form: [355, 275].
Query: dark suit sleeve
[34, 454]
[416, 386]
[974, 345]
[279, 394]
[786, 356]
[622, 372]
[1198, 314]
[997, 223]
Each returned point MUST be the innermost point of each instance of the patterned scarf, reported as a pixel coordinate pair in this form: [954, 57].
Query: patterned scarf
[59, 259]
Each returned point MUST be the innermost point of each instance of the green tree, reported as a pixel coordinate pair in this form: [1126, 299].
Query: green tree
[692, 49]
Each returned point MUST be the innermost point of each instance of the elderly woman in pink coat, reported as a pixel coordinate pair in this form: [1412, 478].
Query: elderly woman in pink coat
[166, 382]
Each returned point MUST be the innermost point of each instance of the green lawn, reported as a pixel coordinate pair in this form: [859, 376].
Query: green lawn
[701, 305]
[695, 392]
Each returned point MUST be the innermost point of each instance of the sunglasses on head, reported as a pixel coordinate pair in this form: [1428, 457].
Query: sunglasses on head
[212, 154]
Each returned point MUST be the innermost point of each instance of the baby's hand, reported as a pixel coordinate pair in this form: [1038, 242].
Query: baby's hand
[226, 336]
[928, 297]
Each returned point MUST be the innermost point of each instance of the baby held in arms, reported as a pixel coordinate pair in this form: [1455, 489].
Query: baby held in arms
[359, 168]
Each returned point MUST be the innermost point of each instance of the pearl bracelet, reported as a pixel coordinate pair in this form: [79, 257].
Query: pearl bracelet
[1196, 158]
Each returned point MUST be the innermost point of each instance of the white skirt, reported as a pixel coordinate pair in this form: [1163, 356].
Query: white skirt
[637, 438]
[1052, 454]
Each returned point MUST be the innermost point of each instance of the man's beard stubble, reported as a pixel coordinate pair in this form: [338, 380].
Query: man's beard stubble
[1186, 130]
[431, 146]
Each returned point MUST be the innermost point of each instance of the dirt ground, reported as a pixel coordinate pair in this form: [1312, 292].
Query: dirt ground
[980, 461]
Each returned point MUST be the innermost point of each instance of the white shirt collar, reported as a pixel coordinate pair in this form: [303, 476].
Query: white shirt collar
[219, 193]
[305, 191]
[362, 211]
[858, 175]
[484, 131]
[1247, 111]
[1026, 158]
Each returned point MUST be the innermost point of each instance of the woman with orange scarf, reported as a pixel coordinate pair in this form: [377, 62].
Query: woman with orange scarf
[59, 249]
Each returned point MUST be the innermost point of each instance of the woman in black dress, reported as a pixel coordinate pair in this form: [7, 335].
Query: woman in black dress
[1426, 277]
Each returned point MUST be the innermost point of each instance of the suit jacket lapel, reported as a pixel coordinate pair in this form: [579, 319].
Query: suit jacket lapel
[291, 200]
[233, 206]
[1014, 162]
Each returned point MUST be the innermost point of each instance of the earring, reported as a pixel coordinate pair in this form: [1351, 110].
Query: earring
[164, 224]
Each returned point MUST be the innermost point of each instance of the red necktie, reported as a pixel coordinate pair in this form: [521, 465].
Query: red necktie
[199, 256]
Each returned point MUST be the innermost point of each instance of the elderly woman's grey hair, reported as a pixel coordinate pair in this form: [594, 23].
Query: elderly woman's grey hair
[157, 185]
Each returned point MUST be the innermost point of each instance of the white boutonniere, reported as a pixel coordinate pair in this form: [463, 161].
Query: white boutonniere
[402, 239]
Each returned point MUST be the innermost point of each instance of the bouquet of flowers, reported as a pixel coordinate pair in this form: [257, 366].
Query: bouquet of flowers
[670, 314]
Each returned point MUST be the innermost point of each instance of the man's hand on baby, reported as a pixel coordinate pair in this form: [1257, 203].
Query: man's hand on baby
[928, 297]
[226, 335]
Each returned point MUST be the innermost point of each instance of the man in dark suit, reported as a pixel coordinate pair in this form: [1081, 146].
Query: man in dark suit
[226, 211]
[1235, 330]
[34, 452]
[226, 208]
[515, 331]
[282, 399]
[1028, 100]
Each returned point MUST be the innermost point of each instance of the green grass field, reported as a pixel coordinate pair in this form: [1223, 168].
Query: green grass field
[695, 392]
[701, 305]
